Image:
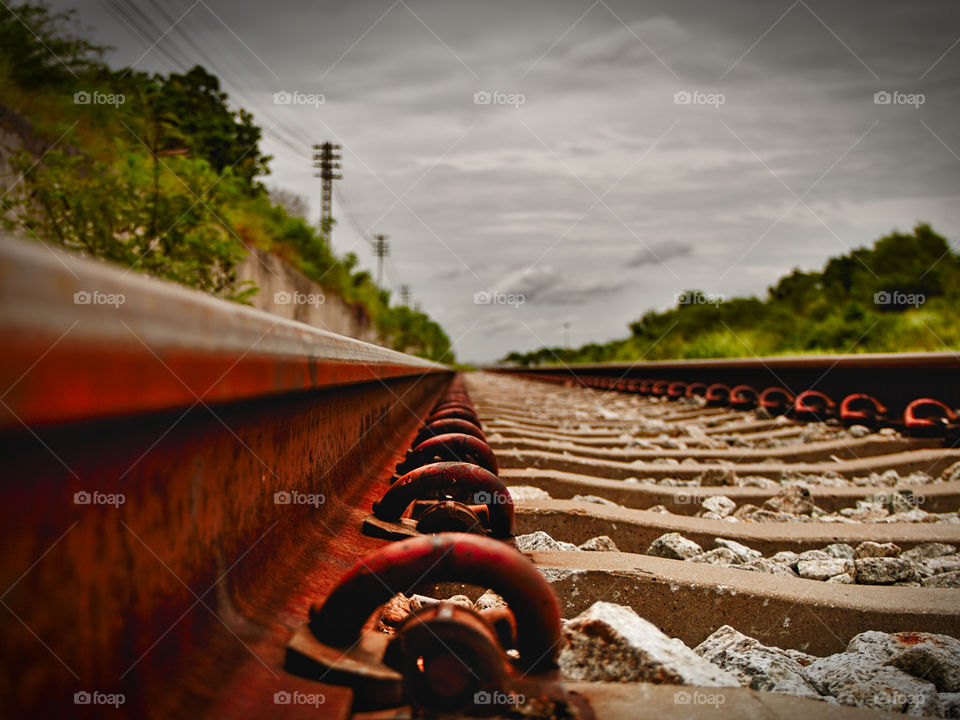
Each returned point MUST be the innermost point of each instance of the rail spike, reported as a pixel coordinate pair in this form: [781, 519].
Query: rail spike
[456, 447]
[415, 666]
[463, 483]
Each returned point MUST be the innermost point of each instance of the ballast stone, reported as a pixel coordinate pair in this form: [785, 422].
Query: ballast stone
[757, 666]
[609, 642]
[540, 541]
[674, 546]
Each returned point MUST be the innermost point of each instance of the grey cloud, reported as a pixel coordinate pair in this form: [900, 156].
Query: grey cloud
[547, 285]
[500, 202]
[660, 253]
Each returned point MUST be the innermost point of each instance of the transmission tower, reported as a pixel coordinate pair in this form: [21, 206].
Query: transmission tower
[381, 250]
[326, 159]
[405, 294]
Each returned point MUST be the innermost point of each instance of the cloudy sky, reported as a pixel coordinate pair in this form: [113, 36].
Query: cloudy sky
[628, 151]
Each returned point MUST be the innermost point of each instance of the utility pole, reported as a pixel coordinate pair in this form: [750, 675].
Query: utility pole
[381, 250]
[326, 159]
[405, 294]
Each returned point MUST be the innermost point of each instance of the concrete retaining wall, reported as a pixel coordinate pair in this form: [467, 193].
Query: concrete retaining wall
[287, 292]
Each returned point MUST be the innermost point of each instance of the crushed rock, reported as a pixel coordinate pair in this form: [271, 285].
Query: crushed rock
[793, 500]
[869, 548]
[674, 546]
[756, 666]
[716, 477]
[824, 569]
[913, 673]
[946, 580]
[612, 643]
[540, 541]
[869, 564]
[717, 556]
[717, 506]
[884, 570]
[928, 550]
[595, 499]
[601, 543]
[489, 601]
[743, 553]
[527, 493]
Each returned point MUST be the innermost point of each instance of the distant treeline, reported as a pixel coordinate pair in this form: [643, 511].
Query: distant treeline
[903, 294]
[158, 172]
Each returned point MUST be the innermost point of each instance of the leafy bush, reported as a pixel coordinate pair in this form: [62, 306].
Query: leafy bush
[902, 294]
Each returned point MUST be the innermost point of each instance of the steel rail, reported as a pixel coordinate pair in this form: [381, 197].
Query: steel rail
[83, 340]
[157, 445]
[894, 378]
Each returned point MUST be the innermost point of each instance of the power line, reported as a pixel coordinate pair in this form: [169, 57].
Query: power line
[142, 25]
[388, 267]
[351, 216]
[286, 135]
[120, 14]
[281, 133]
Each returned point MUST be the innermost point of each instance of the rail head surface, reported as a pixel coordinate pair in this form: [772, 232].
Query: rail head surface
[906, 360]
[894, 378]
[84, 339]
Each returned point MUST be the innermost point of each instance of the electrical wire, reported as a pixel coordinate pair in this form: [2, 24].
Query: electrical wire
[286, 135]
[348, 211]
[146, 26]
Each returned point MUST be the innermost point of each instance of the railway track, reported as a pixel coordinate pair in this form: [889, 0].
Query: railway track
[812, 478]
[212, 513]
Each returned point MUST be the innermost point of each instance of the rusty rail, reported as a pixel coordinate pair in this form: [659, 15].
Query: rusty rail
[169, 458]
[918, 391]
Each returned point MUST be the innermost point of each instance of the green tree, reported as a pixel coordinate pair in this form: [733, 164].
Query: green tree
[40, 49]
[860, 301]
[226, 139]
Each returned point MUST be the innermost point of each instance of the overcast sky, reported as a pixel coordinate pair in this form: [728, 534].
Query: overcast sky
[587, 185]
